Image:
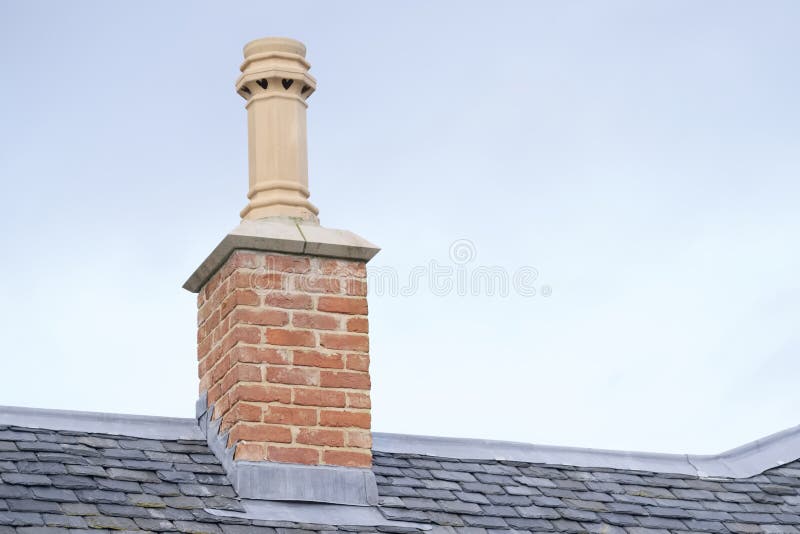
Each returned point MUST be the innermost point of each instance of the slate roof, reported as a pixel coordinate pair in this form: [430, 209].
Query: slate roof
[77, 481]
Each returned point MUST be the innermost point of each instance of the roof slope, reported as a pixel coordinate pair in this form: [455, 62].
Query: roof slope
[77, 480]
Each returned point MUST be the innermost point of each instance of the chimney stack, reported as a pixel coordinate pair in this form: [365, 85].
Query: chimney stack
[283, 345]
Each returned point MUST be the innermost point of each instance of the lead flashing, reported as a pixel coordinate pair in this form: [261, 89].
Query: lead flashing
[283, 236]
[288, 482]
[139, 426]
[317, 514]
[742, 462]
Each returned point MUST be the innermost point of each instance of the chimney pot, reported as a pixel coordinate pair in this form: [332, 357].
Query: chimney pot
[276, 84]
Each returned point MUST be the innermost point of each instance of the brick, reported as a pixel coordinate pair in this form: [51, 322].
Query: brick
[244, 411]
[355, 287]
[221, 368]
[343, 268]
[287, 264]
[358, 400]
[358, 324]
[320, 436]
[358, 438]
[347, 458]
[314, 284]
[291, 338]
[290, 415]
[317, 321]
[257, 354]
[245, 260]
[239, 297]
[261, 393]
[356, 342]
[358, 362]
[343, 418]
[250, 451]
[258, 280]
[319, 397]
[295, 455]
[260, 432]
[292, 301]
[348, 305]
[313, 358]
[301, 376]
[259, 316]
[344, 379]
[236, 414]
[241, 334]
[242, 372]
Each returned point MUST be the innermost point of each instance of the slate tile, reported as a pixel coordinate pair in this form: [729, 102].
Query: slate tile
[41, 468]
[101, 496]
[621, 520]
[478, 498]
[578, 515]
[537, 512]
[55, 494]
[183, 502]
[602, 528]
[565, 525]
[404, 514]
[460, 507]
[141, 444]
[97, 442]
[163, 489]
[111, 523]
[31, 505]
[118, 485]
[661, 523]
[197, 528]
[176, 476]
[200, 468]
[743, 528]
[12, 435]
[66, 521]
[436, 494]
[37, 446]
[25, 479]
[223, 503]
[87, 470]
[485, 521]
[441, 484]
[79, 508]
[72, 482]
[122, 510]
[18, 519]
[453, 476]
[9, 491]
[480, 487]
[189, 448]
[146, 500]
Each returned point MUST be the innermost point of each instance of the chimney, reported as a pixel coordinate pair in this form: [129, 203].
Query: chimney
[283, 346]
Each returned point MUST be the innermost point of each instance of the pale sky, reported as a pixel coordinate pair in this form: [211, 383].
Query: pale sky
[643, 157]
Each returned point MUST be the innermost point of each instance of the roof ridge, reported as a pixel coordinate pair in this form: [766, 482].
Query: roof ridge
[140, 426]
[744, 461]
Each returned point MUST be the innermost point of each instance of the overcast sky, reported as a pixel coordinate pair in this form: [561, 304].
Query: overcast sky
[642, 157]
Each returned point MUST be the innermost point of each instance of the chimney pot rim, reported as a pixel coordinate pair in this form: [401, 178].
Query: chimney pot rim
[274, 44]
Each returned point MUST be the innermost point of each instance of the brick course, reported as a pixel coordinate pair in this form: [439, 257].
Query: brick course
[283, 354]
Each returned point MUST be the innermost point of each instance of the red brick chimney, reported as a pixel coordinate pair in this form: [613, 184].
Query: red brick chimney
[283, 343]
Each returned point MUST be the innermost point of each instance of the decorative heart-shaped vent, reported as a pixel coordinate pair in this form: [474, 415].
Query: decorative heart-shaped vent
[286, 83]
